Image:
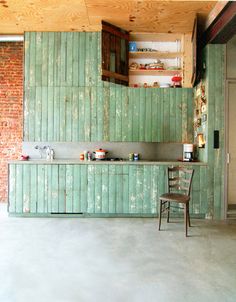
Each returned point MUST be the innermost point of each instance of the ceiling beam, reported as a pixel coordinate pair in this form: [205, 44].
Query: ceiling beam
[223, 28]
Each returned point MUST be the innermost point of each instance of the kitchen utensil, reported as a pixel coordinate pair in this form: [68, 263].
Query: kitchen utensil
[100, 154]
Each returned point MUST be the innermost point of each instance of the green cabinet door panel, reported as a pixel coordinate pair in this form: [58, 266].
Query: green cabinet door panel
[109, 189]
[65, 99]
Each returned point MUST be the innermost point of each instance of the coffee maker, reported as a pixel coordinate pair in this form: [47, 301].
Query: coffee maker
[187, 152]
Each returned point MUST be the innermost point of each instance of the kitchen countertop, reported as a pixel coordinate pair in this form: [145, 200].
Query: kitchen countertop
[103, 162]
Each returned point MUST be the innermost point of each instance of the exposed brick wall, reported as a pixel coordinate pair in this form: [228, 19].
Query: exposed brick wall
[11, 108]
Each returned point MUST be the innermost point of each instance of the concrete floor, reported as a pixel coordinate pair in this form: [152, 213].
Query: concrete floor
[80, 260]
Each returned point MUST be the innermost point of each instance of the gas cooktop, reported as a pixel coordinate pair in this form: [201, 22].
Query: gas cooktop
[110, 159]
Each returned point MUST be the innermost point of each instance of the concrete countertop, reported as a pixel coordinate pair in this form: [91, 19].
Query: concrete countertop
[102, 162]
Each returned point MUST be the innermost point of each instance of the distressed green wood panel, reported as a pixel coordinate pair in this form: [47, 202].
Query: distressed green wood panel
[56, 114]
[215, 75]
[49, 123]
[62, 189]
[57, 59]
[26, 190]
[125, 187]
[41, 189]
[55, 189]
[166, 115]
[75, 123]
[38, 114]
[62, 116]
[38, 59]
[84, 188]
[32, 54]
[45, 122]
[33, 186]
[178, 120]
[161, 116]
[27, 55]
[203, 191]
[106, 110]
[98, 190]
[112, 188]
[82, 54]
[69, 58]
[93, 101]
[51, 59]
[135, 109]
[91, 189]
[139, 189]
[130, 115]
[196, 201]
[12, 188]
[154, 117]
[26, 113]
[19, 189]
[112, 114]
[148, 120]
[105, 188]
[68, 114]
[58, 63]
[190, 114]
[118, 129]
[47, 63]
[76, 185]
[119, 189]
[81, 118]
[172, 115]
[87, 115]
[124, 117]
[154, 188]
[69, 188]
[132, 188]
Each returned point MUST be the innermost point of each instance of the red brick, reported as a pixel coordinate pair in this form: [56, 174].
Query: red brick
[11, 100]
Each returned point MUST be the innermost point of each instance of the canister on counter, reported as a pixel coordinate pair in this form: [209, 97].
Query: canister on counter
[131, 156]
[81, 157]
[85, 155]
[136, 156]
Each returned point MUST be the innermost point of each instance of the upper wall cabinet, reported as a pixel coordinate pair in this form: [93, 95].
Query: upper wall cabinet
[115, 43]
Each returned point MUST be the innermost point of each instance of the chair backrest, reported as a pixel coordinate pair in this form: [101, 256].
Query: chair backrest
[180, 180]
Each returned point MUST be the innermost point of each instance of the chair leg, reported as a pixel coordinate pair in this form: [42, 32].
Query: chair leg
[168, 212]
[189, 224]
[160, 212]
[186, 220]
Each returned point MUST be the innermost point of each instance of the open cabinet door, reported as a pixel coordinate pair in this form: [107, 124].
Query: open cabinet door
[115, 54]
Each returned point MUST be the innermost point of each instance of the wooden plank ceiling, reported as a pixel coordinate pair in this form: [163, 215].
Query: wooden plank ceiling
[18, 16]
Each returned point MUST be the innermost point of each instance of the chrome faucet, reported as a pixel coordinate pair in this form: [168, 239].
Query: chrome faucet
[49, 152]
[40, 149]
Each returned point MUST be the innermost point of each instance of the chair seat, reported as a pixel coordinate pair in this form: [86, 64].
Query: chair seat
[176, 197]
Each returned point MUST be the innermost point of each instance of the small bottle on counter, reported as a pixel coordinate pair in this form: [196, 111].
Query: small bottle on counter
[81, 157]
[136, 156]
[131, 156]
[89, 156]
[85, 155]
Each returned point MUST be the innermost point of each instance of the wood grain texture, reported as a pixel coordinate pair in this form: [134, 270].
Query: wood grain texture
[95, 189]
[215, 75]
[18, 16]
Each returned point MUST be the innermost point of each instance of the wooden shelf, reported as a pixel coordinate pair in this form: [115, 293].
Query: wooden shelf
[154, 55]
[150, 72]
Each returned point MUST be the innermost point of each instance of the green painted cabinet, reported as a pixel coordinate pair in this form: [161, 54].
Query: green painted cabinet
[65, 99]
[95, 189]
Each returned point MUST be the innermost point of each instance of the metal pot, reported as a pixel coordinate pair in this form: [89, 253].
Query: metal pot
[100, 154]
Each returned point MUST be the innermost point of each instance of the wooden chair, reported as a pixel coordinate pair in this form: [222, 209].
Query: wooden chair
[179, 186]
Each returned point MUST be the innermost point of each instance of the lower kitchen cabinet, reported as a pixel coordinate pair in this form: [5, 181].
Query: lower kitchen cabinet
[95, 189]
